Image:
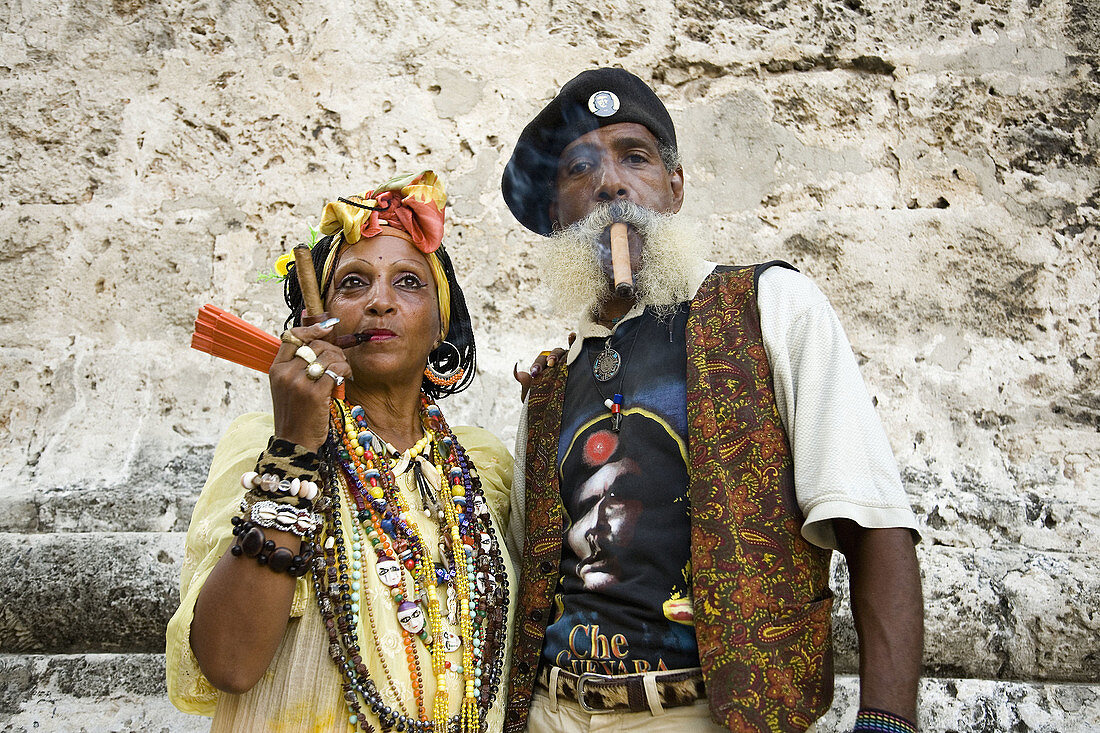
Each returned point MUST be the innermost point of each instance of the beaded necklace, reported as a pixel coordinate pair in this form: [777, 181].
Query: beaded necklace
[383, 526]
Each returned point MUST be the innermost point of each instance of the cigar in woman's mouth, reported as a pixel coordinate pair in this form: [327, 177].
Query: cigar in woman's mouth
[351, 339]
[348, 340]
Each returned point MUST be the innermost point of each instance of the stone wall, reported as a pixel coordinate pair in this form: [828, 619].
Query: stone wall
[931, 165]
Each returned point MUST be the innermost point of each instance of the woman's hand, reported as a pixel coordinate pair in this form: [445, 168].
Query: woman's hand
[545, 360]
[299, 403]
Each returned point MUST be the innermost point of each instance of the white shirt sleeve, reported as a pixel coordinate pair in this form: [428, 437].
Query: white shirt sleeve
[517, 520]
[843, 464]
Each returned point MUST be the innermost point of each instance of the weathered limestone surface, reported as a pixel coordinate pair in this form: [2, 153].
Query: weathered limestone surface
[932, 166]
[89, 692]
[88, 592]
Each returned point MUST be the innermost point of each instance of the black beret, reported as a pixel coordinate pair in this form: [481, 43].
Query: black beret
[591, 100]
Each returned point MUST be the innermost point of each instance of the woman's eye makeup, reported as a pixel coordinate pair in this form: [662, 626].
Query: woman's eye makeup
[406, 280]
[351, 281]
[411, 281]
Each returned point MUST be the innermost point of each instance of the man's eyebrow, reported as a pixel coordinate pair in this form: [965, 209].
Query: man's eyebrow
[579, 148]
[634, 142]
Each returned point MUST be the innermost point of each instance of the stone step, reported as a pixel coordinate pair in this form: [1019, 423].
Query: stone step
[126, 692]
[88, 592]
[952, 705]
[89, 692]
[152, 509]
[1007, 614]
[159, 497]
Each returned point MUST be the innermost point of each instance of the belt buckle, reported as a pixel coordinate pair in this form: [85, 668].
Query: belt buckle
[585, 677]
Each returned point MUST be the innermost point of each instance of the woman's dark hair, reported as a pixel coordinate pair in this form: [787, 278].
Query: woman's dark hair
[460, 332]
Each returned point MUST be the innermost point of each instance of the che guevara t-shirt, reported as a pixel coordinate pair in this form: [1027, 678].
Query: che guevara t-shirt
[623, 604]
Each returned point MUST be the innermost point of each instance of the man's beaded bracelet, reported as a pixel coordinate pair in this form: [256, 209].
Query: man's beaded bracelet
[872, 720]
[251, 542]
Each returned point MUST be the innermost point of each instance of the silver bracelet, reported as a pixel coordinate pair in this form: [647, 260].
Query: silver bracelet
[283, 517]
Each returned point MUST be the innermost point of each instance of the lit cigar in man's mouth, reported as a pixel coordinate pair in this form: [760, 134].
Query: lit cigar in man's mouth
[620, 262]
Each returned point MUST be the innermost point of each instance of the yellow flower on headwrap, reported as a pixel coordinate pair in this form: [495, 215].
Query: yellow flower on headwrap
[282, 265]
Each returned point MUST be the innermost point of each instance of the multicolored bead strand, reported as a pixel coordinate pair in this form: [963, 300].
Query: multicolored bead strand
[872, 720]
[496, 589]
[382, 524]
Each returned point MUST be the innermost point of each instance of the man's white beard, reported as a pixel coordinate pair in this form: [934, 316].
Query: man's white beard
[571, 269]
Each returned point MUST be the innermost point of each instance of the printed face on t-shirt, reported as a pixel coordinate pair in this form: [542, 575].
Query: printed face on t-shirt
[603, 528]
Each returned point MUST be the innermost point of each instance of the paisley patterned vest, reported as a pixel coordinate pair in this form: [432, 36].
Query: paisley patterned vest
[761, 594]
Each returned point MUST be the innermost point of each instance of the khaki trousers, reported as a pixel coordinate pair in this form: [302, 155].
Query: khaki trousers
[566, 716]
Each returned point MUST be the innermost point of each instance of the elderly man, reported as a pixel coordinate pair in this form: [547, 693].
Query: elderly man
[683, 478]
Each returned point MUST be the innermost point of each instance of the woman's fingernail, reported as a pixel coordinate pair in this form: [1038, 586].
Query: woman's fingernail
[329, 323]
[551, 361]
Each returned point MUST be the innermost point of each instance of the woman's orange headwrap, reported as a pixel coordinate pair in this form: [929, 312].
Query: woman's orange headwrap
[413, 204]
[409, 206]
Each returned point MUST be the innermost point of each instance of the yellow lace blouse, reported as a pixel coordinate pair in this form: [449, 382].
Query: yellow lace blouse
[301, 690]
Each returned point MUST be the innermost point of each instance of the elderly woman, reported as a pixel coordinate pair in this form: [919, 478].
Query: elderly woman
[344, 565]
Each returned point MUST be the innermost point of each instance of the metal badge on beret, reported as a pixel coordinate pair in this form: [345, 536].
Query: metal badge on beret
[603, 104]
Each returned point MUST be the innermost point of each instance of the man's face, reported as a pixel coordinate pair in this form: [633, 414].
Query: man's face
[615, 162]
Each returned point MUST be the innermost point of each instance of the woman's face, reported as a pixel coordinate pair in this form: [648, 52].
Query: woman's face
[383, 288]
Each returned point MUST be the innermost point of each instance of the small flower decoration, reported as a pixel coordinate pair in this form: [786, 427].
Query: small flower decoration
[282, 265]
[281, 269]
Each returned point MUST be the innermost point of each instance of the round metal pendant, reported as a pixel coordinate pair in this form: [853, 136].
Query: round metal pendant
[607, 364]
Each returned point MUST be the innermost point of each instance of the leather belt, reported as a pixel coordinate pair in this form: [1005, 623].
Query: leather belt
[598, 693]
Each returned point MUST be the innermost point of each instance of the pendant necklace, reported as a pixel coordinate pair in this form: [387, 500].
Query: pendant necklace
[605, 366]
[607, 363]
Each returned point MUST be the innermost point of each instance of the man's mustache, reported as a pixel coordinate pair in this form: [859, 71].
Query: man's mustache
[606, 213]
